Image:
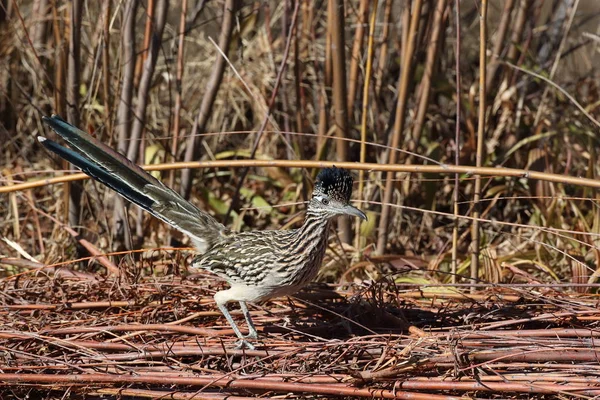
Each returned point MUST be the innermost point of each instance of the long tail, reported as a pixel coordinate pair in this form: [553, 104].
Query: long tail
[112, 169]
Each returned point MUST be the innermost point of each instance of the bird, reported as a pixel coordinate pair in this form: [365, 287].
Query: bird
[257, 265]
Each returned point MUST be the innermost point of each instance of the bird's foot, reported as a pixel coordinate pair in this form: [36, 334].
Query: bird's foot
[243, 343]
[252, 334]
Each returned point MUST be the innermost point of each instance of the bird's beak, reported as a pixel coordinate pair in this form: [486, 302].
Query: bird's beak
[353, 211]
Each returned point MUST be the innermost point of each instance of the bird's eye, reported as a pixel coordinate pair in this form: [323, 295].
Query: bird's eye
[325, 201]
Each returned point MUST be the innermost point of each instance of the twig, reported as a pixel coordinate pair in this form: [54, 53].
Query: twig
[560, 89]
[256, 385]
[178, 89]
[106, 69]
[395, 168]
[73, 192]
[563, 42]
[359, 240]
[382, 63]
[355, 58]
[499, 42]
[340, 94]
[230, 9]
[403, 85]
[455, 194]
[433, 49]
[233, 205]
[146, 80]
[125, 109]
[475, 233]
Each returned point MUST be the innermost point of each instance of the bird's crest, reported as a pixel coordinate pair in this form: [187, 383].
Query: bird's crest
[336, 183]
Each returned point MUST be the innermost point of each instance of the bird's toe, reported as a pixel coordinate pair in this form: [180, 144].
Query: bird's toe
[252, 335]
[244, 344]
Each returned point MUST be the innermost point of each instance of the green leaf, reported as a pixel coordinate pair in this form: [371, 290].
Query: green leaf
[154, 154]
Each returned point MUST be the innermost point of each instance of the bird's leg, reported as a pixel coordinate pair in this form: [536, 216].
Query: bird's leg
[242, 342]
[252, 334]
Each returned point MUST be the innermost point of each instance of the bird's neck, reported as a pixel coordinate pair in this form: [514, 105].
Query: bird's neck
[304, 251]
[315, 228]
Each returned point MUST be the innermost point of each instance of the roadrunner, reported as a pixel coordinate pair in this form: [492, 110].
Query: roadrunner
[258, 264]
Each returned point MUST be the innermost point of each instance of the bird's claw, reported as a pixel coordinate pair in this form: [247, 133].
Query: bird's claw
[244, 343]
[252, 335]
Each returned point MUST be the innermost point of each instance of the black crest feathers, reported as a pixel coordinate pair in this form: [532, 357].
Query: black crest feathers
[336, 183]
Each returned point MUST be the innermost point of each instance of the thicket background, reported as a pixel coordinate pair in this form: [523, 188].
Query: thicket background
[150, 79]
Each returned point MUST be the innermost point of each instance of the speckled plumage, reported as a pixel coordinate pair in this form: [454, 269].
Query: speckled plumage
[282, 261]
[258, 264]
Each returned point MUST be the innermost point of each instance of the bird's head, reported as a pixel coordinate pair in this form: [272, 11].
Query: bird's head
[332, 193]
